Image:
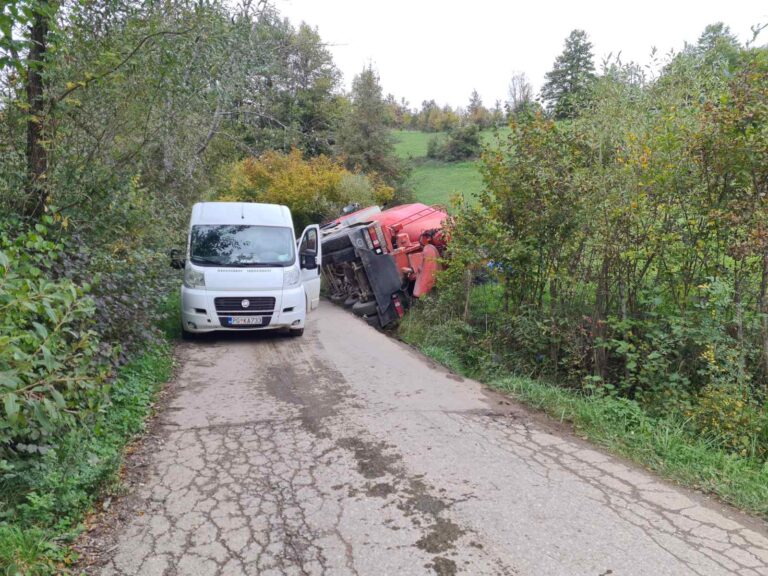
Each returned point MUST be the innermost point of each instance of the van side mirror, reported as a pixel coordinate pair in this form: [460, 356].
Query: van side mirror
[308, 260]
[177, 262]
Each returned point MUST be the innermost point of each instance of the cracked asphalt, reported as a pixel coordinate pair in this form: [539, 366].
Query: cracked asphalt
[345, 452]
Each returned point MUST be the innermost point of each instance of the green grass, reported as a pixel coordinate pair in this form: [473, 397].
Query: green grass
[436, 182]
[43, 505]
[665, 445]
[412, 143]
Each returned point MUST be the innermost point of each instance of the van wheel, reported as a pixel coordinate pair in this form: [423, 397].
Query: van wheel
[188, 336]
[296, 332]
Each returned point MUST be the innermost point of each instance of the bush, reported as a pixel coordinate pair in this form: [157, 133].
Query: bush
[52, 370]
[728, 416]
[315, 189]
[461, 143]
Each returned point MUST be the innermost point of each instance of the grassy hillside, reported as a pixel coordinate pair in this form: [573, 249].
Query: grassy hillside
[435, 182]
[412, 143]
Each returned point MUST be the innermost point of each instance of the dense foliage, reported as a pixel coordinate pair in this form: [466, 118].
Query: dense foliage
[626, 251]
[460, 143]
[315, 189]
[51, 370]
[568, 84]
[365, 140]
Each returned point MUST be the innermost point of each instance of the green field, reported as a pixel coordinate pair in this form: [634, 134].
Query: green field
[413, 144]
[435, 182]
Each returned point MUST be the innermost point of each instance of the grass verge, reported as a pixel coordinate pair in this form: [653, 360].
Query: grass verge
[662, 444]
[43, 505]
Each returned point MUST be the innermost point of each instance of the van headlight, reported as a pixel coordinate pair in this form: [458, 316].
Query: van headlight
[291, 277]
[193, 278]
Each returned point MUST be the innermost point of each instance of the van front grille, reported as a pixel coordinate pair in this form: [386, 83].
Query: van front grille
[230, 307]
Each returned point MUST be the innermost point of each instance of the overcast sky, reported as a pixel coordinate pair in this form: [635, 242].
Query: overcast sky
[438, 49]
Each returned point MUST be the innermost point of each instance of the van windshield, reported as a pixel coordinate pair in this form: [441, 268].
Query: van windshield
[239, 245]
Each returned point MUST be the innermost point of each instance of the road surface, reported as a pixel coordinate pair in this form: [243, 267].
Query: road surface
[345, 452]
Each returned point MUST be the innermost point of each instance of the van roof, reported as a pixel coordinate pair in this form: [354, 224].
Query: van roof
[241, 213]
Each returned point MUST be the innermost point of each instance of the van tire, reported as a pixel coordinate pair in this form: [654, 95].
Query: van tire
[188, 336]
[296, 332]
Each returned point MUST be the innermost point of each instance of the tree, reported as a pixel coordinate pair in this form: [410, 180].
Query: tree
[568, 83]
[365, 139]
[520, 93]
[294, 100]
[478, 114]
[717, 47]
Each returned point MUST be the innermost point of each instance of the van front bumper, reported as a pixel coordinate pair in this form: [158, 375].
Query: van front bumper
[208, 310]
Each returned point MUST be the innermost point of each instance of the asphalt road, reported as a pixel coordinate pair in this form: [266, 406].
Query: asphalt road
[345, 452]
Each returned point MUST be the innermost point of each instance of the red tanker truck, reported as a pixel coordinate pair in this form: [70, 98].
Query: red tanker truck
[375, 261]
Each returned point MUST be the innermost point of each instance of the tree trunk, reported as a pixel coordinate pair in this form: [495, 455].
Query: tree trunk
[598, 328]
[37, 153]
[554, 311]
[762, 307]
[468, 287]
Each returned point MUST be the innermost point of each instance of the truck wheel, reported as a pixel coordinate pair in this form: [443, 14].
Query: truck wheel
[350, 301]
[373, 320]
[296, 332]
[364, 308]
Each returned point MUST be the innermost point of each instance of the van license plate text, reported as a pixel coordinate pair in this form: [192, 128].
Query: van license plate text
[245, 320]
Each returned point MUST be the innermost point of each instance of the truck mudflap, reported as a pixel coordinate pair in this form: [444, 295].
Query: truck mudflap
[385, 280]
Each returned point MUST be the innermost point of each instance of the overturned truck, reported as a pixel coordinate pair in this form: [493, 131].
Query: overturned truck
[375, 261]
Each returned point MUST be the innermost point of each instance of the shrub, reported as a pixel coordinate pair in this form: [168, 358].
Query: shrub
[52, 369]
[314, 189]
[730, 417]
[462, 143]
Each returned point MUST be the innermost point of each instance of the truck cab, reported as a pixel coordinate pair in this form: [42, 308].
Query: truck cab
[245, 270]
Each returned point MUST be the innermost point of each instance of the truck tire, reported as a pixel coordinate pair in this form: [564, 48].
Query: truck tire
[364, 308]
[373, 320]
[351, 301]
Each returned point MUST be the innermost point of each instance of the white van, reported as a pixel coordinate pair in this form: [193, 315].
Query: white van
[244, 269]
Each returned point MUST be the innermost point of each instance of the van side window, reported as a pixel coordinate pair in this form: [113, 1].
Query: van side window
[309, 244]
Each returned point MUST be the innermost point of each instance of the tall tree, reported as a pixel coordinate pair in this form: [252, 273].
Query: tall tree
[568, 83]
[477, 114]
[520, 93]
[365, 139]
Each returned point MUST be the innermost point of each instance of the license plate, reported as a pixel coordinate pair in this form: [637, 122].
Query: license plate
[245, 320]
